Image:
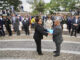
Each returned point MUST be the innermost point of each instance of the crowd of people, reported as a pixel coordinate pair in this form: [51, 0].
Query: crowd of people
[12, 23]
[15, 22]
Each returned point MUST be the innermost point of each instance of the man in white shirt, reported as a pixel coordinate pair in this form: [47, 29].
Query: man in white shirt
[75, 25]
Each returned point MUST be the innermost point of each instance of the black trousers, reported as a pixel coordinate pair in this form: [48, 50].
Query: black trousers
[78, 30]
[26, 29]
[74, 30]
[9, 30]
[38, 45]
[2, 33]
[69, 29]
[16, 29]
[58, 48]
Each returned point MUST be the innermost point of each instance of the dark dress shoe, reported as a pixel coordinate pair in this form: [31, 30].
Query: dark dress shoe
[54, 51]
[56, 55]
[40, 53]
[75, 35]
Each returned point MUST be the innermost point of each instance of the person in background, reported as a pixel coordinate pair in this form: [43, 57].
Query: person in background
[79, 26]
[75, 24]
[12, 8]
[69, 21]
[26, 25]
[53, 17]
[7, 24]
[2, 33]
[57, 37]
[38, 35]
[33, 22]
[7, 12]
[15, 23]
[49, 23]
[3, 12]
[22, 8]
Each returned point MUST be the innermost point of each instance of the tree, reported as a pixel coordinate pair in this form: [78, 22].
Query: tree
[38, 6]
[15, 3]
[66, 4]
[3, 4]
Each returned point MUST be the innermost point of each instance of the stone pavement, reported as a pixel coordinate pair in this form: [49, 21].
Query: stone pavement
[23, 36]
[46, 44]
[32, 55]
[23, 48]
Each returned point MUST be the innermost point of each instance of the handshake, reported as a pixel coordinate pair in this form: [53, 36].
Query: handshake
[50, 32]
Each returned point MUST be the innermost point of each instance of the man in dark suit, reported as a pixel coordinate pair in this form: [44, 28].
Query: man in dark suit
[38, 35]
[2, 33]
[79, 27]
[15, 23]
[57, 37]
[7, 23]
[69, 20]
[75, 25]
[26, 25]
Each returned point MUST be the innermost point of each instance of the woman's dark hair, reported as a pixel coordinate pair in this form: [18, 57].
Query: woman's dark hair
[37, 20]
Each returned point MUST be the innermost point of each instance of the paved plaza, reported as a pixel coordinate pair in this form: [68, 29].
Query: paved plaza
[23, 48]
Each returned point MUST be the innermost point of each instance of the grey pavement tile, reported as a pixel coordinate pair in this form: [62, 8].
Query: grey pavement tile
[34, 55]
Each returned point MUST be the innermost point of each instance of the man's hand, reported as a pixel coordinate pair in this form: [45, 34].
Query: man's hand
[75, 24]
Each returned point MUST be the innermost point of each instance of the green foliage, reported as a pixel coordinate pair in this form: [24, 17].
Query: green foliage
[2, 4]
[38, 6]
[15, 3]
[35, 12]
[54, 5]
[67, 4]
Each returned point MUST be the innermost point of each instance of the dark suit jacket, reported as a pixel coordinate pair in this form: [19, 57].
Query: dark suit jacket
[69, 21]
[57, 34]
[7, 22]
[25, 23]
[1, 23]
[39, 32]
[74, 22]
[16, 23]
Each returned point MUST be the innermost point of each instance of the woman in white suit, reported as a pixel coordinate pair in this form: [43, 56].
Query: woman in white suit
[49, 23]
